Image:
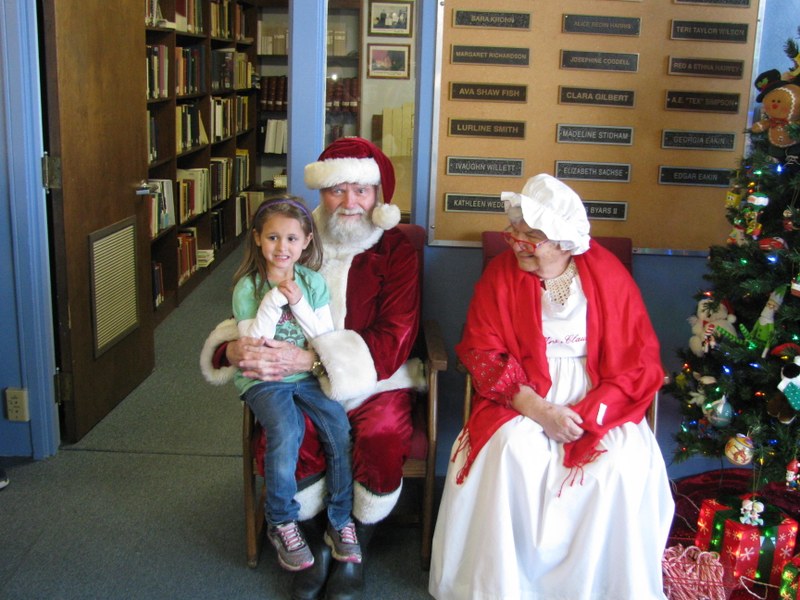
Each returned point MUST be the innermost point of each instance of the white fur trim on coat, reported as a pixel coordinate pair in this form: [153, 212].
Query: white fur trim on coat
[226, 331]
[311, 499]
[409, 375]
[334, 171]
[349, 365]
[369, 507]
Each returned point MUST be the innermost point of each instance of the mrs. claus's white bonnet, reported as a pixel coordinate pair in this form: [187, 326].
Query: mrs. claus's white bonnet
[553, 208]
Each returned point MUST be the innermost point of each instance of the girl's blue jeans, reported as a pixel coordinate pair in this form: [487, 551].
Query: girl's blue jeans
[279, 406]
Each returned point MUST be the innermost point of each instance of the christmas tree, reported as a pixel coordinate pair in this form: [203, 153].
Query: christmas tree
[739, 387]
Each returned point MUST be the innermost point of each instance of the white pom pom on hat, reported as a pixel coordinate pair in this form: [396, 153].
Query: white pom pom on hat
[553, 208]
[356, 160]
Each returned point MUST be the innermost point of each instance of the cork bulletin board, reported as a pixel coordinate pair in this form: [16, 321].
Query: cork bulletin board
[641, 106]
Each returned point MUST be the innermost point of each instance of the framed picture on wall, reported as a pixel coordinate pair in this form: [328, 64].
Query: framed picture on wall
[390, 18]
[388, 61]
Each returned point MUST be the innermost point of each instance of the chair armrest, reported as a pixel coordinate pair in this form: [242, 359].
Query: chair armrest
[434, 345]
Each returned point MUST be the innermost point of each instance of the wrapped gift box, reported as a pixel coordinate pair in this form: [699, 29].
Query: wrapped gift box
[759, 552]
[711, 522]
[790, 580]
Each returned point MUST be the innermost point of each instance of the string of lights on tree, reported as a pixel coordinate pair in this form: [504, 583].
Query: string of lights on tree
[739, 386]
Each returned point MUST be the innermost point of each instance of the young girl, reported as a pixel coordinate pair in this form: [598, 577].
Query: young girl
[278, 294]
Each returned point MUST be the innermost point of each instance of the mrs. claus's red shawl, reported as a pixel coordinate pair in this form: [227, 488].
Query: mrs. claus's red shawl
[504, 333]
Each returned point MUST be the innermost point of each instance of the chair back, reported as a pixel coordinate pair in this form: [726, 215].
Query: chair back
[416, 235]
[621, 247]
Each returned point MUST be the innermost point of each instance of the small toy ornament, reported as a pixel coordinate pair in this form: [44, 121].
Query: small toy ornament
[780, 105]
[788, 219]
[790, 383]
[739, 450]
[708, 324]
[733, 199]
[791, 474]
[719, 413]
[751, 512]
[778, 407]
[764, 328]
[754, 206]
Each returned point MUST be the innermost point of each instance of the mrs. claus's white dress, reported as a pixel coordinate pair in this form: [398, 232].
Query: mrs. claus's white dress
[519, 527]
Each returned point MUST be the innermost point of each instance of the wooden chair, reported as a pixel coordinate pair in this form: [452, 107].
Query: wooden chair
[421, 463]
[493, 244]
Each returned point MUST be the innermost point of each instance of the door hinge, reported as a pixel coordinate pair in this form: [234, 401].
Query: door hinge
[51, 172]
[63, 387]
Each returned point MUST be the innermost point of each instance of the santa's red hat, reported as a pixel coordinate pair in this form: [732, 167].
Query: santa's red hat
[356, 160]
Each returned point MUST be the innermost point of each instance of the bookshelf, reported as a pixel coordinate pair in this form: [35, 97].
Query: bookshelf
[202, 101]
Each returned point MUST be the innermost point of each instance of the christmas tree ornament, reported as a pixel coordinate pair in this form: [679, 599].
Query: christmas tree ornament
[733, 199]
[788, 219]
[751, 512]
[790, 383]
[710, 321]
[780, 106]
[779, 408]
[764, 328]
[796, 285]
[719, 412]
[791, 474]
[754, 206]
[739, 449]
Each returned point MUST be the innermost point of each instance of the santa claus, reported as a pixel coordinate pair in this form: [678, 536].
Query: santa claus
[372, 272]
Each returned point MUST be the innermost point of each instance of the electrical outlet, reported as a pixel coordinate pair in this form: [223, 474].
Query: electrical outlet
[17, 404]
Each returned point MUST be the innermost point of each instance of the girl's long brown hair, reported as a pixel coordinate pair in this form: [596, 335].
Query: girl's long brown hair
[254, 264]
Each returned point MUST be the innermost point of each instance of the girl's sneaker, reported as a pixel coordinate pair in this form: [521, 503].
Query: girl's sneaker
[293, 551]
[344, 543]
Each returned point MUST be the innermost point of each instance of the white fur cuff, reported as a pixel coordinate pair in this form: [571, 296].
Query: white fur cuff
[350, 368]
[226, 331]
[311, 499]
[369, 507]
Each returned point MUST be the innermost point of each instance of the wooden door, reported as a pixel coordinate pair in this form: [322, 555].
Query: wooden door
[94, 87]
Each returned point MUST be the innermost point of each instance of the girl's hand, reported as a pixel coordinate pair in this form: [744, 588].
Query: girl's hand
[291, 290]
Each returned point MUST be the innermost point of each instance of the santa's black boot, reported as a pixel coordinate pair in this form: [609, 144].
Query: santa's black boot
[309, 584]
[346, 581]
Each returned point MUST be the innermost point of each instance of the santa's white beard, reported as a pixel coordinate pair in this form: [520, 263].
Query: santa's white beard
[347, 230]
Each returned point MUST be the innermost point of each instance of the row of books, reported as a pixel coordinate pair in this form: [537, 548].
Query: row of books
[187, 254]
[157, 71]
[276, 136]
[217, 232]
[398, 130]
[273, 94]
[337, 41]
[230, 70]
[152, 137]
[159, 291]
[194, 192]
[271, 40]
[342, 95]
[161, 205]
[247, 202]
[190, 70]
[189, 16]
[222, 118]
[190, 131]
[274, 41]
[227, 20]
